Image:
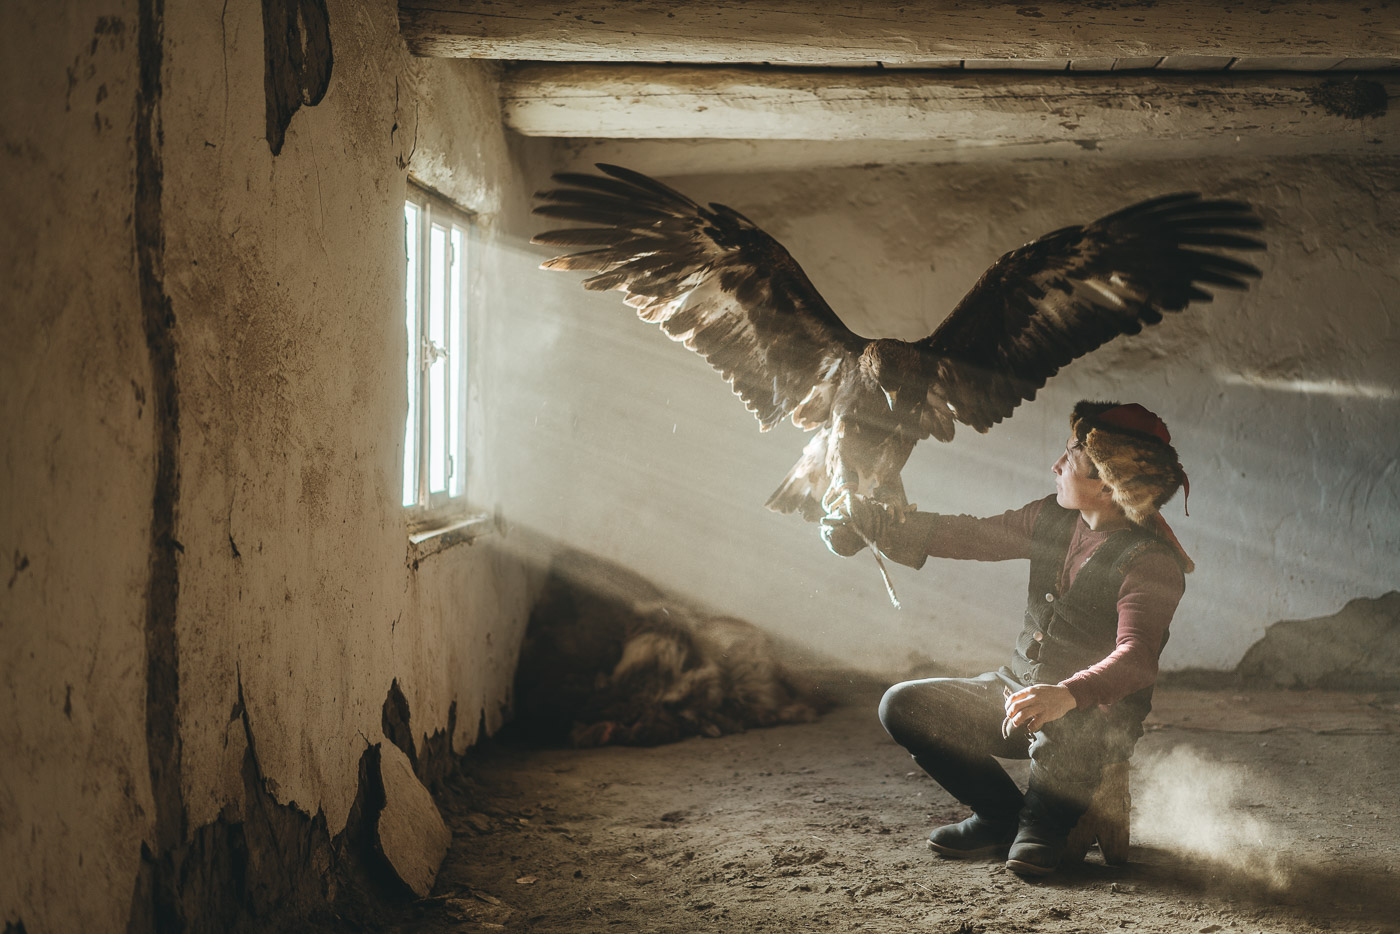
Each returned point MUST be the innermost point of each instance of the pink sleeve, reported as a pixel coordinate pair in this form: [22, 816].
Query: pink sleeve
[1146, 602]
[997, 538]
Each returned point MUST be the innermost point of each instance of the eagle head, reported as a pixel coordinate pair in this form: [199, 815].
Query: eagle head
[890, 364]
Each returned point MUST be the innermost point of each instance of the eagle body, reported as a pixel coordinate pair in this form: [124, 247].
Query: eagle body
[866, 435]
[712, 280]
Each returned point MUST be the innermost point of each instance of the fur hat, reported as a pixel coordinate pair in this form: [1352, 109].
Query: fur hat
[1132, 450]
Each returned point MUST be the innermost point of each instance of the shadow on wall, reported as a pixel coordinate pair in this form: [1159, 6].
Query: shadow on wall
[609, 658]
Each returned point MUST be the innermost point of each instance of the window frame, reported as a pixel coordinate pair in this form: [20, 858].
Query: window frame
[443, 510]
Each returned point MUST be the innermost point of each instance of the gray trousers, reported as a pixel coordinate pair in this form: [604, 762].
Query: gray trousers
[952, 728]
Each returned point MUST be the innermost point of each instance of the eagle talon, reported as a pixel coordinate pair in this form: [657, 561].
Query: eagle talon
[836, 496]
[868, 516]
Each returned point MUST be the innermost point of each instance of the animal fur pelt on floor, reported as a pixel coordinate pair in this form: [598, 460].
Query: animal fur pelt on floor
[608, 659]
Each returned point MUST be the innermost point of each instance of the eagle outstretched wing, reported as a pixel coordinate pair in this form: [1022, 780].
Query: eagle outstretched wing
[716, 282]
[712, 280]
[1061, 296]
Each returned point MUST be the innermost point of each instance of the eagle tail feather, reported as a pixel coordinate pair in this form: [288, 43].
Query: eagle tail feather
[795, 495]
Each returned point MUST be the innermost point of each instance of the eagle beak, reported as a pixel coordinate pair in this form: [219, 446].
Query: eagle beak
[890, 397]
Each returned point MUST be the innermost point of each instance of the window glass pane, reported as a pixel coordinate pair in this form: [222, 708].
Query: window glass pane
[458, 363]
[435, 322]
[410, 428]
[439, 268]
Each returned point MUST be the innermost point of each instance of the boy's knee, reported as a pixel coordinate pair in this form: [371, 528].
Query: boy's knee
[894, 709]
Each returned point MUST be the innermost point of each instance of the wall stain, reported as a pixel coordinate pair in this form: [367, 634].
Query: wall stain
[83, 68]
[139, 392]
[1352, 98]
[316, 484]
[297, 58]
[161, 883]
[21, 563]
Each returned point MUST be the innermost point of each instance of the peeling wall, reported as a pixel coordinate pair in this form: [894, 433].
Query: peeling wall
[1284, 402]
[260, 297]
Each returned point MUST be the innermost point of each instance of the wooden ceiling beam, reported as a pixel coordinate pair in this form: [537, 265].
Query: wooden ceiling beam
[809, 32]
[674, 102]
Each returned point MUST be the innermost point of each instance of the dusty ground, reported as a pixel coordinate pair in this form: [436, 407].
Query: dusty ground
[1252, 812]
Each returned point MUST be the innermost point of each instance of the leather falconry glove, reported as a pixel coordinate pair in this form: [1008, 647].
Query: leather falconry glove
[903, 542]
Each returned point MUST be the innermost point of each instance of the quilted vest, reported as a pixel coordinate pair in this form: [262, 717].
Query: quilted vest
[1067, 632]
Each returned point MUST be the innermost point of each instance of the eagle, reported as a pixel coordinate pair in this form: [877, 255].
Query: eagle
[716, 282]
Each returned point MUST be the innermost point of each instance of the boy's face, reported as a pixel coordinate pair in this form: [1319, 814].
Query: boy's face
[1076, 487]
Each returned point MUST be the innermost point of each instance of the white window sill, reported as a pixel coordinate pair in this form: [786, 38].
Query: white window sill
[425, 541]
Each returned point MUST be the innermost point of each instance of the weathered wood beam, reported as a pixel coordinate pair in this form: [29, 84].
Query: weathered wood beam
[895, 31]
[673, 102]
[673, 158]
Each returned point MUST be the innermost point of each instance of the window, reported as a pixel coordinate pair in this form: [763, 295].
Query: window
[436, 241]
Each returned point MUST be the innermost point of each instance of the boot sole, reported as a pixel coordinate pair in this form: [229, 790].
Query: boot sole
[981, 852]
[1028, 869]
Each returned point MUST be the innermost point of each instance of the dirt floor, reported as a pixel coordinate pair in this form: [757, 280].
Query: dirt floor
[1272, 812]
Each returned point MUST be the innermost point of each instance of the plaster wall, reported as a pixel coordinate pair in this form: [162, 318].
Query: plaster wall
[287, 282]
[298, 590]
[1283, 403]
[76, 472]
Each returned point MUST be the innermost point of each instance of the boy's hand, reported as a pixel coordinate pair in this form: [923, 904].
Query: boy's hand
[1039, 704]
[840, 535]
[853, 522]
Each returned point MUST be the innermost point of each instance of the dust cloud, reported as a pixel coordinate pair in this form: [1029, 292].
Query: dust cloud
[1196, 806]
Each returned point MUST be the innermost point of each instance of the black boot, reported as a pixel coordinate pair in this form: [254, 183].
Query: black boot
[1045, 823]
[973, 838]
[995, 801]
